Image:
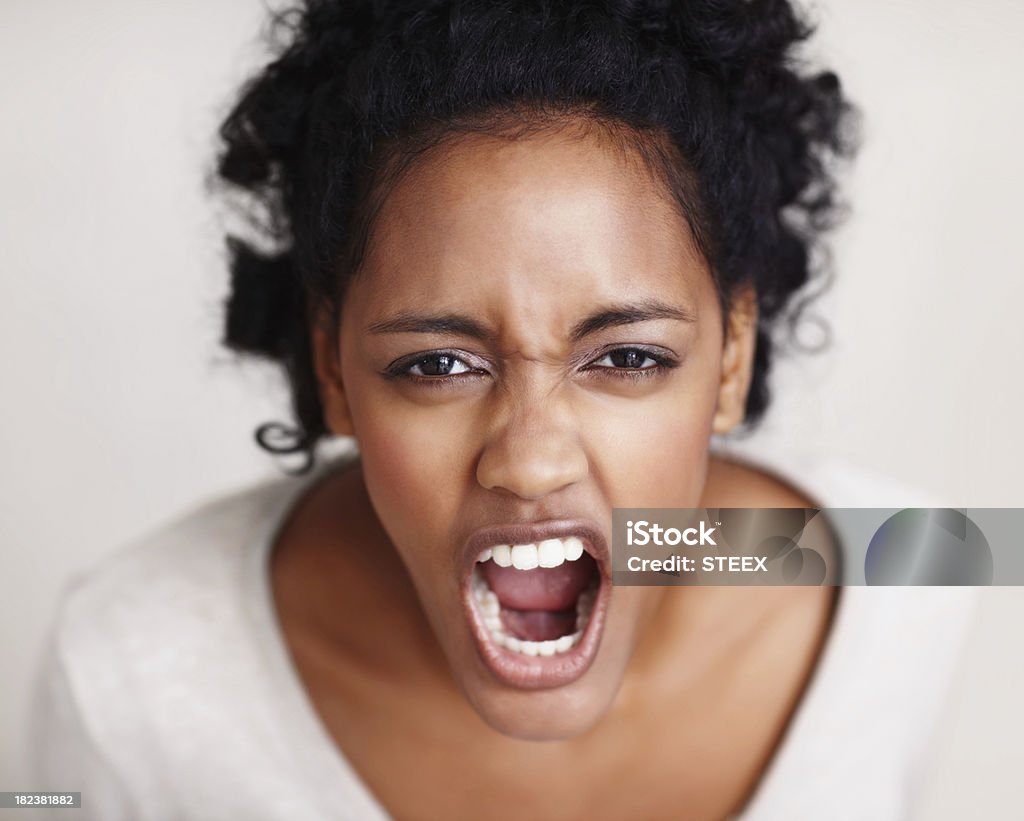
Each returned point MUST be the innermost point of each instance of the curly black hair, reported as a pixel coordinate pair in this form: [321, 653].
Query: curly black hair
[710, 90]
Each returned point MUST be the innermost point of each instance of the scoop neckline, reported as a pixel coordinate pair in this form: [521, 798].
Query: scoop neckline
[324, 759]
[321, 759]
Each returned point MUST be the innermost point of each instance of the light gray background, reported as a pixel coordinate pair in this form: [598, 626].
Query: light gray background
[119, 410]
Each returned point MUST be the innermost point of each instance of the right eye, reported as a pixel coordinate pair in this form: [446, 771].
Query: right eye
[437, 368]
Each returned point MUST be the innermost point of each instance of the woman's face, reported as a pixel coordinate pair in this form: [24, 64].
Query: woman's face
[532, 341]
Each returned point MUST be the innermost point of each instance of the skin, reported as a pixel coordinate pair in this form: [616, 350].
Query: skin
[526, 239]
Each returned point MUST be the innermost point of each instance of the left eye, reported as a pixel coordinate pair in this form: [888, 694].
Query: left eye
[438, 365]
[630, 358]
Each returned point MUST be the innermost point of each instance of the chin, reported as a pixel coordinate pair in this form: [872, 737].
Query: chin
[544, 715]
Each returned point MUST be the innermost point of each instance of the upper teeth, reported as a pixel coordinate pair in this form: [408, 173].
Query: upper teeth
[548, 553]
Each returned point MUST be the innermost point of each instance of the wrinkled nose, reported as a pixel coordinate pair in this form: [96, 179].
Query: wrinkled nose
[536, 451]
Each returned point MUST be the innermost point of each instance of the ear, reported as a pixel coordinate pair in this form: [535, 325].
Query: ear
[737, 360]
[327, 364]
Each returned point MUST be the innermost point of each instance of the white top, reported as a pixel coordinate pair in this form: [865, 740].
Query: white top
[167, 690]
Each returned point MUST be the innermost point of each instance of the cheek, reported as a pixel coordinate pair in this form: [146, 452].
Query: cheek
[413, 466]
[654, 453]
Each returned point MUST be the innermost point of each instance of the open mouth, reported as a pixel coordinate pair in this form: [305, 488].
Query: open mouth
[537, 607]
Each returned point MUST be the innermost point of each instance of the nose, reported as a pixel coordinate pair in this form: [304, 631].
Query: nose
[535, 451]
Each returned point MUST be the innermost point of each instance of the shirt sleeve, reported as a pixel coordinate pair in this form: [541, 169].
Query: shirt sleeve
[63, 754]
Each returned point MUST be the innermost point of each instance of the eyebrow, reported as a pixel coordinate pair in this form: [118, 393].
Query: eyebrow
[608, 317]
[442, 324]
[644, 311]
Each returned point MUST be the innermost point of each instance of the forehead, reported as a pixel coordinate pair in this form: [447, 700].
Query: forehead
[541, 222]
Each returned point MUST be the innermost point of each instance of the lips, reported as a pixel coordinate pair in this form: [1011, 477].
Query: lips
[535, 597]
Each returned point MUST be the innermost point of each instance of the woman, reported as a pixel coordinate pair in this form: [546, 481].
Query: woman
[530, 258]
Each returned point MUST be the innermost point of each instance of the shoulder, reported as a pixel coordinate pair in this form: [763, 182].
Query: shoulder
[976, 748]
[134, 638]
[879, 691]
[152, 613]
[736, 482]
[762, 474]
[190, 556]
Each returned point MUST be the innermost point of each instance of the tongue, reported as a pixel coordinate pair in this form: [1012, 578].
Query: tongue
[543, 588]
[540, 604]
[539, 625]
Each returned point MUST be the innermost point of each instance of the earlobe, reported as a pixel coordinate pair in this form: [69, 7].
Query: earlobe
[737, 361]
[327, 365]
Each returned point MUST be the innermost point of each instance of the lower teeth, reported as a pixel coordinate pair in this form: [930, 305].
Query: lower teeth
[490, 609]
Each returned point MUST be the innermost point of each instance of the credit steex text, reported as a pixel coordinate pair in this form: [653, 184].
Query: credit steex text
[642, 533]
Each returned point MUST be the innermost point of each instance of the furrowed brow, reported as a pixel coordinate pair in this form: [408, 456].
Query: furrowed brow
[456, 324]
[628, 314]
